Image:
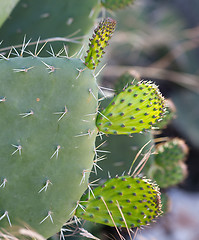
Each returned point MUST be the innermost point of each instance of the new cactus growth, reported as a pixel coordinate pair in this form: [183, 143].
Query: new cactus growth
[48, 111]
[97, 44]
[123, 202]
[134, 110]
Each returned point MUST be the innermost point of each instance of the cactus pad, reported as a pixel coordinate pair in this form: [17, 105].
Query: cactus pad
[134, 110]
[47, 140]
[132, 202]
[116, 4]
[100, 39]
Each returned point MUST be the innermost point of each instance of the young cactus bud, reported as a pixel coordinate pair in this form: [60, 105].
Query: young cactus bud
[116, 4]
[99, 41]
[123, 202]
[134, 110]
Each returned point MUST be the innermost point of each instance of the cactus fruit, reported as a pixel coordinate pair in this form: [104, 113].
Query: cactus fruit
[123, 202]
[46, 19]
[47, 139]
[116, 4]
[169, 168]
[134, 110]
[100, 39]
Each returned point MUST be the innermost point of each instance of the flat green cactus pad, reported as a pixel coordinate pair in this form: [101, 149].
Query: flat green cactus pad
[134, 110]
[47, 140]
[126, 201]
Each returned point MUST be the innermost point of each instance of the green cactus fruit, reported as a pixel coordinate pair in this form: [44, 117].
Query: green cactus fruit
[100, 39]
[123, 202]
[47, 140]
[168, 116]
[169, 168]
[52, 20]
[116, 4]
[6, 8]
[134, 110]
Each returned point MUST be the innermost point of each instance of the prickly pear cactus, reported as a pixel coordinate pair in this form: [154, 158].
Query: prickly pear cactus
[123, 202]
[48, 125]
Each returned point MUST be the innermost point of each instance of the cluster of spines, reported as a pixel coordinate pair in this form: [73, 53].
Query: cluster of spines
[99, 41]
[123, 202]
[168, 116]
[169, 168]
[136, 109]
[116, 4]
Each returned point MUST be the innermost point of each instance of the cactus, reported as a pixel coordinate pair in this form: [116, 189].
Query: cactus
[49, 122]
[139, 105]
[44, 138]
[123, 202]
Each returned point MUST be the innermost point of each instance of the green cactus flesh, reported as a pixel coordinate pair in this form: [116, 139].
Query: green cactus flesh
[134, 110]
[97, 44]
[116, 4]
[47, 125]
[50, 19]
[132, 202]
